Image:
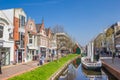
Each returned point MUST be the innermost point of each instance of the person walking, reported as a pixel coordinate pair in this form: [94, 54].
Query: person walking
[113, 57]
[97, 56]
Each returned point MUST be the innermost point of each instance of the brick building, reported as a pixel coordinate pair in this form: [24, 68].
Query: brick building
[31, 49]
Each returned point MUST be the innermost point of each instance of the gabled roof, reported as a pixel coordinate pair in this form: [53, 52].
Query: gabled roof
[31, 27]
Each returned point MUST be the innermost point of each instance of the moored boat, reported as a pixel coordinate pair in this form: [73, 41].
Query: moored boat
[88, 62]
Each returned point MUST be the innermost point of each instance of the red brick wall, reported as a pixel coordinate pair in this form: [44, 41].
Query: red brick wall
[15, 34]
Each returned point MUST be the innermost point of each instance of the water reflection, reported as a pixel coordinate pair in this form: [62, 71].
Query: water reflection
[94, 75]
[76, 72]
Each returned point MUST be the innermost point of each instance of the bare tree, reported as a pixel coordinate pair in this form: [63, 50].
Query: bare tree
[59, 40]
[70, 44]
[64, 42]
[58, 29]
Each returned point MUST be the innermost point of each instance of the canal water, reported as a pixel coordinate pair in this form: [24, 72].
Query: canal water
[75, 71]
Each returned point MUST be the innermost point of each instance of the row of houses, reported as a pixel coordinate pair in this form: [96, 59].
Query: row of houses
[109, 40]
[22, 40]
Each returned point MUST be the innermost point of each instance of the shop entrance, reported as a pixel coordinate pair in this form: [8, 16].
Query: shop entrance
[5, 56]
[19, 57]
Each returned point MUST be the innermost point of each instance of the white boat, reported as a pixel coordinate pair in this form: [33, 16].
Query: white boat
[88, 61]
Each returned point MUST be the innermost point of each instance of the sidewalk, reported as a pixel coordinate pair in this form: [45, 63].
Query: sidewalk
[13, 70]
[113, 68]
[115, 65]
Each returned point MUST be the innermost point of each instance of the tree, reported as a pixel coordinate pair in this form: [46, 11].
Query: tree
[59, 40]
[0, 63]
[64, 42]
[71, 43]
[109, 32]
[58, 29]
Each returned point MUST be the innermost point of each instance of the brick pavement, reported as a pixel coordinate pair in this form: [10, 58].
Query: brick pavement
[14, 70]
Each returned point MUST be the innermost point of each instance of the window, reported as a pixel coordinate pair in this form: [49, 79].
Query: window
[1, 31]
[22, 37]
[30, 38]
[22, 21]
[32, 52]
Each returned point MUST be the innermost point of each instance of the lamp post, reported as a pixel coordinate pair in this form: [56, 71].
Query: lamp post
[0, 63]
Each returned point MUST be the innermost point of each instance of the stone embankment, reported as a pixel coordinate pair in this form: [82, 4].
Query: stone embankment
[56, 75]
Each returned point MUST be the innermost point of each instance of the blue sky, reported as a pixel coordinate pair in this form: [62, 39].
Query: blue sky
[83, 19]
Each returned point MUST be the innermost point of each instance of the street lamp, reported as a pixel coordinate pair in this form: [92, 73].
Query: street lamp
[0, 63]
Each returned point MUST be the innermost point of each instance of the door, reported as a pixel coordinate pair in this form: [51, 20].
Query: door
[19, 57]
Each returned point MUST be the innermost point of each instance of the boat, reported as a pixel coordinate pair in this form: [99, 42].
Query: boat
[88, 61]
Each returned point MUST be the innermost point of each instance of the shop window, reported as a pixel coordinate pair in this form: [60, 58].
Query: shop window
[36, 51]
[1, 31]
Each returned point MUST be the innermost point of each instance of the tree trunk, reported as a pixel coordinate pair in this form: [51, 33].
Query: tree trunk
[0, 67]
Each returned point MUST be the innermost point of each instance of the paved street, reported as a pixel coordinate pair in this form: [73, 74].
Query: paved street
[13, 70]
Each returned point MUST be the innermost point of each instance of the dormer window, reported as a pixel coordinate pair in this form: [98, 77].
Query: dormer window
[1, 31]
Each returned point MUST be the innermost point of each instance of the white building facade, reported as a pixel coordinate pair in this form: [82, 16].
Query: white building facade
[16, 19]
[6, 38]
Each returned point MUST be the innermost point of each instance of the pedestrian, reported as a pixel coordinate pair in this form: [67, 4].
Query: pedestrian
[42, 58]
[97, 55]
[49, 57]
[113, 57]
[40, 61]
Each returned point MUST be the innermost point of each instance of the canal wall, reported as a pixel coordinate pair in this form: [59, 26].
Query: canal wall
[57, 73]
[115, 71]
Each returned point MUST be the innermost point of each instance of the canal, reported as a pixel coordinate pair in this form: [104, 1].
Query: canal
[75, 71]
